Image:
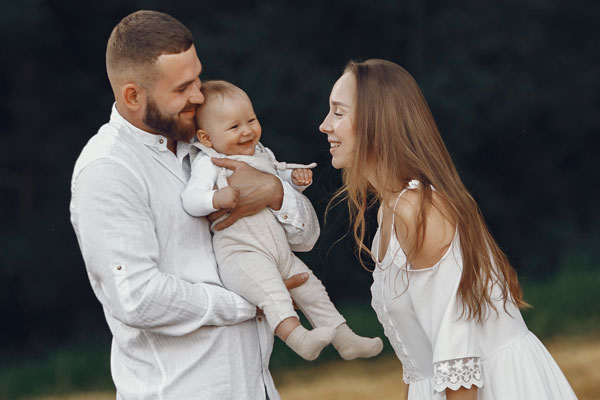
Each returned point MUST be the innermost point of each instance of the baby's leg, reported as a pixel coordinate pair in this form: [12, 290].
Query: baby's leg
[255, 277]
[313, 300]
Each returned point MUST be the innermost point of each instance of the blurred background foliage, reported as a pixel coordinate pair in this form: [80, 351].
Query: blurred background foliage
[514, 87]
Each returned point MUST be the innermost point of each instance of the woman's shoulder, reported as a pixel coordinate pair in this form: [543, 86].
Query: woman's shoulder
[426, 240]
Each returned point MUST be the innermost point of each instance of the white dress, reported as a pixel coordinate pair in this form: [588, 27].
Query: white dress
[420, 313]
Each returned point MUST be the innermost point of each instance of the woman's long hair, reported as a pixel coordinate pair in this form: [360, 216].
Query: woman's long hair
[397, 137]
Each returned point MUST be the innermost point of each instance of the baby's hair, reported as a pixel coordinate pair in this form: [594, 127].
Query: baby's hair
[216, 89]
[222, 88]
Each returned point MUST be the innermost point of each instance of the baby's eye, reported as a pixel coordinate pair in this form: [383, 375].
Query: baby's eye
[251, 120]
[234, 126]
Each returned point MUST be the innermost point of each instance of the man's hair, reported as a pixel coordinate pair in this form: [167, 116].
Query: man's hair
[136, 43]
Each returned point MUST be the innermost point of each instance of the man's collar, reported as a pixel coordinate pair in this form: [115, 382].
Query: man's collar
[147, 138]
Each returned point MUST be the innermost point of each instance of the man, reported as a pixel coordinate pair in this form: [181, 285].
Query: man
[177, 333]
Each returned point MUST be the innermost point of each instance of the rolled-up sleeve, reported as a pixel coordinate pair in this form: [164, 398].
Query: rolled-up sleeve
[298, 219]
[296, 214]
[114, 225]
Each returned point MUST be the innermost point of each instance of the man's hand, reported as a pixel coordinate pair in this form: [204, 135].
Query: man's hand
[295, 280]
[257, 190]
[302, 176]
[227, 197]
[290, 283]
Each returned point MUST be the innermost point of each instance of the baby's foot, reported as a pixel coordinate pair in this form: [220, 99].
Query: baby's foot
[308, 344]
[350, 346]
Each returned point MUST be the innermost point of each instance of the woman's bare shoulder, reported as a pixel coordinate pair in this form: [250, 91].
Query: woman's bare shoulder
[426, 251]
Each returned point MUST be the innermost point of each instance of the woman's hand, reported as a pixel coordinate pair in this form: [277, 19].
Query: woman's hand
[257, 190]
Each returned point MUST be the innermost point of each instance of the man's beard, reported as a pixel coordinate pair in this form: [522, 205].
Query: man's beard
[167, 126]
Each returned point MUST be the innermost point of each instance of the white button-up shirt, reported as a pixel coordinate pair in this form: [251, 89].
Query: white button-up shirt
[177, 333]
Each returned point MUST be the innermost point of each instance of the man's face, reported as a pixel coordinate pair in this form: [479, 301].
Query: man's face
[171, 103]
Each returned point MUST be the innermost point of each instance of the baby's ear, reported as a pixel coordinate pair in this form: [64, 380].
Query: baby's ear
[203, 138]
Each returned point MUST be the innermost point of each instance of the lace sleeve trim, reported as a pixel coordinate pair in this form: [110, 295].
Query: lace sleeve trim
[452, 374]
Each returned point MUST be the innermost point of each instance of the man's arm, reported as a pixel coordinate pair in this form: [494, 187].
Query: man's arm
[116, 233]
[259, 190]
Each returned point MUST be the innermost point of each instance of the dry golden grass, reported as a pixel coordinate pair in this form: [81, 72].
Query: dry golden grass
[381, 379]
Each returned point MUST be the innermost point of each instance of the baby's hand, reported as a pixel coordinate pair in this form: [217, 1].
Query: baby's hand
[302, 176]
[227, 197]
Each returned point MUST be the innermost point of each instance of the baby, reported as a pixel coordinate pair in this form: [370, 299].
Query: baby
[253, 254]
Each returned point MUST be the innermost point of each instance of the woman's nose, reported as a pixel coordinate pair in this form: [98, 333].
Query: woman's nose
[325, 126]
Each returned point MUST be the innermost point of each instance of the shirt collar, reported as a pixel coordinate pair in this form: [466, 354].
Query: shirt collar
[147, 138]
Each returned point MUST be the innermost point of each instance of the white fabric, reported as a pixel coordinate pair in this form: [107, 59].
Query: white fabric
[420, 313]
[177, 333]
[198, 195]
[253, 254]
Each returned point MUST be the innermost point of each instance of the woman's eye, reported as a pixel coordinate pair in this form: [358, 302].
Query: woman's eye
[337, 114]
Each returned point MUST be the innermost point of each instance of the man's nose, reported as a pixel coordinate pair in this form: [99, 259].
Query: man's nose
[196, 96]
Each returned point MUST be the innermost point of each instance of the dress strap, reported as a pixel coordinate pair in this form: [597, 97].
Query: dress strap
[411, 185]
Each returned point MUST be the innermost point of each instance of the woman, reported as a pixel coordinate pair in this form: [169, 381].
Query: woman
[443, 290]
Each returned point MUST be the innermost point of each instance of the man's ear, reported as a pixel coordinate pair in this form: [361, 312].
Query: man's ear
[133, 96]
[203, 138]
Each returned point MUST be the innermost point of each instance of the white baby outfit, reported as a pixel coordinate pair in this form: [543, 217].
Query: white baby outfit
[253, 254]
[420, 313]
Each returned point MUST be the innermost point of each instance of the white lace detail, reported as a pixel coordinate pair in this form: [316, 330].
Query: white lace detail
[453, 374]
[409, 371]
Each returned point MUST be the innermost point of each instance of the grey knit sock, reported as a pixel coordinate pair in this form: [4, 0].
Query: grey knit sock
[308, 344]
[351, 346]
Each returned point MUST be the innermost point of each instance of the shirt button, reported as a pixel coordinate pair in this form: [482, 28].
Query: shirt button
[118, 267]
[285, 216]
[259, 319]
[161, 141]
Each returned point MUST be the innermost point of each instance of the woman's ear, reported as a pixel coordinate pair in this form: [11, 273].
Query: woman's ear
[203, 138]
[133, 96]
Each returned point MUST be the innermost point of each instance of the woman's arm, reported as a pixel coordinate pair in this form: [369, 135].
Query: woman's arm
[462, 393]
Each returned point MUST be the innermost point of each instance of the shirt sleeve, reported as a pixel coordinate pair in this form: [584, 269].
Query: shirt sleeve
[197, 197]
[454, 338]
[115, 229]
[298, 217]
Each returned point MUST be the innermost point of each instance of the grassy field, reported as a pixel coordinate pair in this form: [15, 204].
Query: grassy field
[565, 317]
[381, 379]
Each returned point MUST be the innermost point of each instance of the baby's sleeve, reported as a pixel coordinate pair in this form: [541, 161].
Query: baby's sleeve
[197, 197]
[454, 339]
[286, 174]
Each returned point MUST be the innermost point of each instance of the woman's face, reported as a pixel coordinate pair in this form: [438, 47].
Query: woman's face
[338, 124]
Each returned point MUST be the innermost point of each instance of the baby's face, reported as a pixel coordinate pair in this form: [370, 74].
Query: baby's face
[231, 125]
